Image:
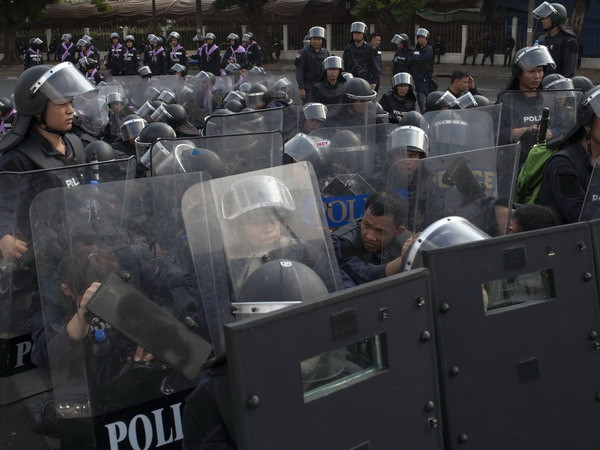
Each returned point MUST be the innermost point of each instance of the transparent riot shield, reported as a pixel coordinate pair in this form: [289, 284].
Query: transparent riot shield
[284, 83]
[522, 112]
[217, 155]
[134, 88]
[171, 83]
[459, 130]
[93, 111]
[590, 209]
[250, 121]
[242, 229]
[19, 292]
[358, 113]
[201, 97]
[125, 327]
[469, 184]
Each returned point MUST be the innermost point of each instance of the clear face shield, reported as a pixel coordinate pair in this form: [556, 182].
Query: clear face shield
[403, 78]
[466, 101]
[544, 10]
[146, 110]
[535, 56]
[63, 83]
[132, 128]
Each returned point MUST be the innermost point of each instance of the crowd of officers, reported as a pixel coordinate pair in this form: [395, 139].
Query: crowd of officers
[42, 131]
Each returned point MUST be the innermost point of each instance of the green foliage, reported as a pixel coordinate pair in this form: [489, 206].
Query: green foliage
[102, 5]
[16, 12]
[399, 9]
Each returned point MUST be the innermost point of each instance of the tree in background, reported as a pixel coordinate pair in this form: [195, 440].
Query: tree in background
[387, 12]
[578, 16]
[254, 12]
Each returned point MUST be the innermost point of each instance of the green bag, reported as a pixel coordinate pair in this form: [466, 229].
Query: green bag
[529, 180]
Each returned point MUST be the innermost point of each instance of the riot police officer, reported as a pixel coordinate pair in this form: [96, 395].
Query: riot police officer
[33, 55]
[210, 57]
[177, 54]
[67, 49]
[114, 58]
[401, 62]
[131, 56]
[7, 114]
[421, 66]
[157, 57]
[254, 53]
[360, 58]
[235, 53]
[558, 37]
[330, 90]
[401, 99]
[309, 63]
[90, 70]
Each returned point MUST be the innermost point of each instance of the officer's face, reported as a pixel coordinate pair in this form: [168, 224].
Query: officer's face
[402, 90]
[547, 23]
[209, 41]
[422, 40]
[115, 41]
[311, 125]
[360, 106]
[262, 233]
[333, 74]
[529, 80]
[173, 42]
[377, 231]
[316, 42]
[59, 117]
[407, 163]
[116, 107]
[357, 37]
[129, 44]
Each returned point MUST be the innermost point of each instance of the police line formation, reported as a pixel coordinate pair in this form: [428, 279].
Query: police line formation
[146, 215]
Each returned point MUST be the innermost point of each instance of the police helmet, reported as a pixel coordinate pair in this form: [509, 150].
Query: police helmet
[210, 36]
[582, 83]
[177, 115]
[481, 100]
[233, 69]
[167, 97]
[556, 82]
[233, 37]
[146, 110]
[408, 137]
[235, 95]
[346, 140]
[244, 88]
[467, 100]
[449, 128]
[130, 37]
[257, 72]
[359, 89]
[66, 37]
[306, 40]
[38, 84]
[316, 32]
[198, 38]
[150, 134]
[257, 94]
[174, 35]
[333, 62]
[589, 106]
[400, 38]
[132, 126]
[234, 105]
[529, 57]
[358, 27]
[35, 42]
[114, 35]
[192, 159]
[282, 84]
[423, 32]
[144, 72]
[178, 68]
[556, 12]
[6, 106]
[87, 63]
[155, 40]
[115, 97]
[403, 78]
[83, 43]
[437, 100]
[347, 76]
[207, 77]
[102, 151]
[382, 114]
[416, 119]
[315, 111]
[87, 38]
[152, 93]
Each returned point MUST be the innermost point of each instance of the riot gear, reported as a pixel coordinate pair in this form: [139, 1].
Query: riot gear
[35, 42]
[316, 32]
[306, 40]
[416, 119]
[146, 110]
[423, 32]
[347, 76]
[198, 39]
[529, 57]
[114, 35]
[359, 89]
[408, 138]
[582, 83]
[115, 97]
[192, 159]
[66, 37]
[132, 126]
[144, 72]
[211, 36]
[481, 100]
[177, 115]
[333, 62]
[282, 85]
[303, 148]
[174, 35]
[437, 100]
[358, 27]
[589, 107]
[467, 100]
[556, 12]
[6, 106]
[257, 94]
[233, 37]
[167, 97]
[87, 63]
[234, 106]
[556, 82]
[178, 68]
[101, 150]
[315, 111]
[403, 78]
[382, 114]
[130, 37]
[150, 134]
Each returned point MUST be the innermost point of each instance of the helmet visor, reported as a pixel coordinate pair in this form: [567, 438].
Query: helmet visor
[255, 192]
[403, 78]
[544, 10]
[592, 101]
[132, 128]
[535, 56]
[447, 100]
[333, 62]
[466, 101]
[316, 111]
[63, 83]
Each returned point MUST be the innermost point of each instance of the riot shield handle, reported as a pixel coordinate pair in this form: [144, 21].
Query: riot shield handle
[543, 125]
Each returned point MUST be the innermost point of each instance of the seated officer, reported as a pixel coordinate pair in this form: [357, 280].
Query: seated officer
[372, 248]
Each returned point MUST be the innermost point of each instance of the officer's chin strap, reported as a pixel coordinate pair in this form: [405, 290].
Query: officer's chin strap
[44, 126]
